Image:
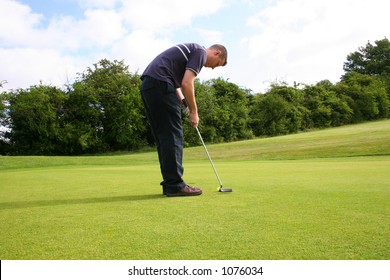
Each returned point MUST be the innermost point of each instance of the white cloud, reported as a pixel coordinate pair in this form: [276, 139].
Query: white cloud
[307, 41]
[18, 24]
[293, 40]
[139, 48]
[97, 4]
[28, 67]
[54, 54]
[162, 16]
[99, 28]
[20, 27]
[210, 36]
[53, 50]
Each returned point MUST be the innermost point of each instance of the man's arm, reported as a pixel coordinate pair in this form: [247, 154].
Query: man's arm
[179, 94]
[187, 86]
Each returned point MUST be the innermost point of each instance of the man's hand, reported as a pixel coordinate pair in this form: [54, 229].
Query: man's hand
[194, 119]
[187, 95]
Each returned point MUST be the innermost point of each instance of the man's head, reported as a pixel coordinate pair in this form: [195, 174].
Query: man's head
[216, 56]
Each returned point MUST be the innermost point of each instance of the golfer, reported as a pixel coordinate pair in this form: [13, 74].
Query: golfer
[167, 80]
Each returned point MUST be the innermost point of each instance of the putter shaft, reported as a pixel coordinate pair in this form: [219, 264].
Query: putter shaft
[208, 155]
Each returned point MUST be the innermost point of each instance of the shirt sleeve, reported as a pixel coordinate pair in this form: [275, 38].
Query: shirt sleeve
[196, 61]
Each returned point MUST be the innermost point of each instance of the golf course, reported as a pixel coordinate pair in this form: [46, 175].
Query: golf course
[317, 195]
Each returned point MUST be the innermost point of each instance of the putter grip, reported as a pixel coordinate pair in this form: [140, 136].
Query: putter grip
[186, 109]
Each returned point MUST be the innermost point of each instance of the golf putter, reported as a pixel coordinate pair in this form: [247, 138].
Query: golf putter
[220, 189]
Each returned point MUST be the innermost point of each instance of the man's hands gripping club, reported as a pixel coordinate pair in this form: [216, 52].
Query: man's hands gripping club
[186, 110]
[187, 92]
[192, 115]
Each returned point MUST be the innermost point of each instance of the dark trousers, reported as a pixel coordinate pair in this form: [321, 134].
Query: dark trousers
[163, 111]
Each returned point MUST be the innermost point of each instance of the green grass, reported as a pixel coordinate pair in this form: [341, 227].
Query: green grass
[318, 195]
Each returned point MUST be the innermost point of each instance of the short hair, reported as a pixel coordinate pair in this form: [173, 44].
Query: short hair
[223, 51]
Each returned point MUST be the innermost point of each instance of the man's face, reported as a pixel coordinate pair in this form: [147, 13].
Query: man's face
[214, 60]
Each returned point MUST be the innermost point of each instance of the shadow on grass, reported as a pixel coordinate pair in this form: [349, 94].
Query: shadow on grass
[40, 203]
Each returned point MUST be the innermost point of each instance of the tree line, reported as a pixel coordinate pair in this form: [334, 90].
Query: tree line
[102, 110]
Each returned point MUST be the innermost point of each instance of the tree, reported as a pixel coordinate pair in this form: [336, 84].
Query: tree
[223, 111]
[297, 116]
[82, 133]
[110, 96]
[373, 60]
[4, 123]
[208, 114]
[232, 122]
[279, 111]
[325, 106]
[366, 96]
[4, 97]
[36, 120]
[269, 115]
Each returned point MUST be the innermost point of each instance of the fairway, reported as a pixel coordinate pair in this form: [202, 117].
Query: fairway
[316, 195]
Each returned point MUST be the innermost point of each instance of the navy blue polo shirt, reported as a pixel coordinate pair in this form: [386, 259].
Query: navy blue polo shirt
[170, 65]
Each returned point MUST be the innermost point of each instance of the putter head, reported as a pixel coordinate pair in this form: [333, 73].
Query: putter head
[224, 190]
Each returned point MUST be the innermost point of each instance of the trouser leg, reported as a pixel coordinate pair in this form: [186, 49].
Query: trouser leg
[164, 114]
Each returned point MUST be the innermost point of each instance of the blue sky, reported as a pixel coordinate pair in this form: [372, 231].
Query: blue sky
[305, 41]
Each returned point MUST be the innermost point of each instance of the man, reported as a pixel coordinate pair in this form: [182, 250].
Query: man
[166, 82]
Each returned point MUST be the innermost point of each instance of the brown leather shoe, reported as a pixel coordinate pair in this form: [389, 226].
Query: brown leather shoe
[186, 191]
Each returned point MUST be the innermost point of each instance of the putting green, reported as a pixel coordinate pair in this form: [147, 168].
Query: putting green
[281, 207]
